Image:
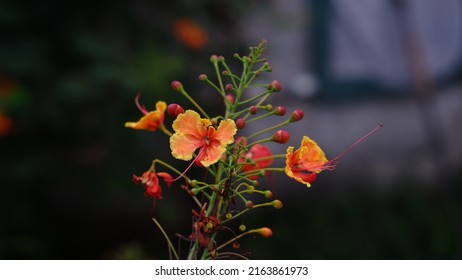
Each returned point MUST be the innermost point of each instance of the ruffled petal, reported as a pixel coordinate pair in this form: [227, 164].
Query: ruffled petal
[225, 132]
[189, 123]
[311, 156]
[212, 155]
[183, 146]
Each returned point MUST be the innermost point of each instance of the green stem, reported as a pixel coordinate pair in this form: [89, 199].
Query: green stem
[185, 94]
[170, 245]
[270, 128]
[237, 238]
[260, 117]
[247, 210]
[255, 97]
[165, 130]
[256, 172]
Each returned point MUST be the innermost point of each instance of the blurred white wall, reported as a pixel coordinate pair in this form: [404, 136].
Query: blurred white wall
[400, 151]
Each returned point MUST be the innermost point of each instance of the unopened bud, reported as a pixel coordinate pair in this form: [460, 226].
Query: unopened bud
[274, 86]
[242, 227]
[203, 77]
[224, 73]
[277, 204]
[236, 245]
[229, 87]
[280, 111]
[195, 191]
[296, 115]
[230, 98]
[177, 86]
[174, 110]
[249, 204]
[253, 110]
[265, 232]
[213, 58]
[281, 136]
[240, 123]
[269, 107]
[268, 194]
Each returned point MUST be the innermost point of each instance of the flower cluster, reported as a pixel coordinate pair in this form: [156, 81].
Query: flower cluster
[234, 162]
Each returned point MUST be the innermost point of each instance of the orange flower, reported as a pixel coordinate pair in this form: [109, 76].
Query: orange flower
[303, 164]
[190, 34]
[151, 120]
[192, 132]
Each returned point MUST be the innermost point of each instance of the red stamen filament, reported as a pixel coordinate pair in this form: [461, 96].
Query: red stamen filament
[332, 164]
[140, 107]
[190, 165]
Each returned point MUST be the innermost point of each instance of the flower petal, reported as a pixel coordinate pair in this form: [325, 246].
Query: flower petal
[151, 120]
[212, 155]
[189, 123]
[225, 132]
[311, 156]
[189, 133]
[183, 146]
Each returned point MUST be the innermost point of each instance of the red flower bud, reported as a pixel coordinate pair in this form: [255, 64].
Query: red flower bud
[296, 115]
[203, 77]
[275, 86]
[230, 98]
[229, 87]
[225, 73]
[249, 204]
[280, 111]
[281, 136]
[174, 110]
[253, 110]
[240, 123]
[177, 86]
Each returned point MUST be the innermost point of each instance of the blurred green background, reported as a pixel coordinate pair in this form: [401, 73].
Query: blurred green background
[69, 72]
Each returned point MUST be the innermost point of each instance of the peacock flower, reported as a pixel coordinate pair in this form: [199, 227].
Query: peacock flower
[193, 132]
[150, 180]
[303, 164]
[152, 120]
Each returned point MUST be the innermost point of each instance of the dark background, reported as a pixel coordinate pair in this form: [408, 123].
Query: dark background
[69, 72]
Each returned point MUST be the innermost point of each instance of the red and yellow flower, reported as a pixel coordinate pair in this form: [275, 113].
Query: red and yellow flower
[303, 164]
[193, 132]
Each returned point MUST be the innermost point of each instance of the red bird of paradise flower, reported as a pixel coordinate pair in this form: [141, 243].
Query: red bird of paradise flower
[303, 164]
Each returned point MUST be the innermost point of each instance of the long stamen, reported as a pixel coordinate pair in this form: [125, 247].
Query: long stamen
[140, 107]
[190, 165]
[332, 164]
